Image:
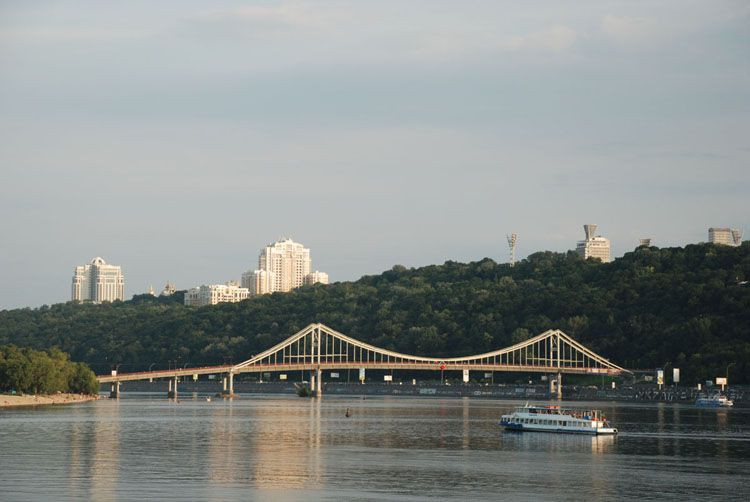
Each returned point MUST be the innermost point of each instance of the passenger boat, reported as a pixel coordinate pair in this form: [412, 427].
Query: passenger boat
[714, 401]
[556, 419]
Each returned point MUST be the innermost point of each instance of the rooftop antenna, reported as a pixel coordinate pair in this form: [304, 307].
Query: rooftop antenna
[512, 240]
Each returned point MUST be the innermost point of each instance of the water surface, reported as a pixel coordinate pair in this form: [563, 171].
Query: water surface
[259, 446]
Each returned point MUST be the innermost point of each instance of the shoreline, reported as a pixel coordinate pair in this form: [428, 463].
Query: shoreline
[520, 392]
[11, 401]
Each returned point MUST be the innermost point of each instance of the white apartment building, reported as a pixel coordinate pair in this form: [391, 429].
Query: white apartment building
[259, 282]
[282, 266]
[169, 289]
[594, 246]
[725, 236]
[316, 277]
[98, 282]
[211, 294]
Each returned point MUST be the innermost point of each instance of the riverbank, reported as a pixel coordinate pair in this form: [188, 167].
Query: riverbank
[12, 401]
[523, 392]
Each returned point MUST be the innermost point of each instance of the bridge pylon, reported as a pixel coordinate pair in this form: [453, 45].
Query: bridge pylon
[172, 390]
[228, 385]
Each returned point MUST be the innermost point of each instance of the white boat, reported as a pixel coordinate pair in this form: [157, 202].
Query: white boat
[714, 401]
[556, 419]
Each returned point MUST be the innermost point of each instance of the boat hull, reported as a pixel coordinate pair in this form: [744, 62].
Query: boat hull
[559, 430]
[714, 405]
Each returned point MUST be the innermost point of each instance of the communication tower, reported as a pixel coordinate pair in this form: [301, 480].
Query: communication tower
[512, 239]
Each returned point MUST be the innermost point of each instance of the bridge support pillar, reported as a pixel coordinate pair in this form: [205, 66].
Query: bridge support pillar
[114, 390]
[228, 383]
[559, 386]
[172, 392]
[319, 388]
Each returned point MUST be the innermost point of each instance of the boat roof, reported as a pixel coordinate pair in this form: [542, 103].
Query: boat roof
[556, 408]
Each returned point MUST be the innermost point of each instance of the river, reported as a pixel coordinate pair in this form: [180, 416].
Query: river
[263, 447]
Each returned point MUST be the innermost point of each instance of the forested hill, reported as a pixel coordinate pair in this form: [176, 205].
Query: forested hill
[689, 307]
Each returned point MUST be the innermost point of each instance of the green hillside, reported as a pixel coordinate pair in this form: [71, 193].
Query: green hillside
[689, 307]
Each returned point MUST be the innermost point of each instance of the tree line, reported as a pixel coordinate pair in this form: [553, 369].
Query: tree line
[30, 371]
[671, 307]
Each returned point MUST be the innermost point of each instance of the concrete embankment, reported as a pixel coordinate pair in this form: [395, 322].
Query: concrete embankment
[11, 401]
[636, 393]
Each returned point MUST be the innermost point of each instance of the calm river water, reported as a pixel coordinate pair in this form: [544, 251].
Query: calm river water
[145, 447]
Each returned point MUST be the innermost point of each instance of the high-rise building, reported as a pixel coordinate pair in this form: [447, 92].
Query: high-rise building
[282, 266]
[725, 236]
[594, 246]
[259, 282]
[316, 277]
[98, 282]
[211, 294]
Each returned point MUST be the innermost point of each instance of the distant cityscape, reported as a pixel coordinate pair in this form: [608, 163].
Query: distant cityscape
[285, 265]
[282, 266]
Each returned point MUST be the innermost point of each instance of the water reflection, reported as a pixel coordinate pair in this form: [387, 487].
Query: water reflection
[285, 446]
[222, 464]
[93, 452]
[275, 447]
[465, 422]
[106, 452]
[558, 443]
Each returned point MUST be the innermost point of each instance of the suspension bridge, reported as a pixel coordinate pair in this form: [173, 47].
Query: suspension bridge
[318, 347]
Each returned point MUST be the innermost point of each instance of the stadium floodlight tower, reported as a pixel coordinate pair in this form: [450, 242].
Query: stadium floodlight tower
[737, 236]
[512, 240]
[590, 230]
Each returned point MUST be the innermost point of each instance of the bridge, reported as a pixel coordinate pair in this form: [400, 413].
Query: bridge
[318, 347]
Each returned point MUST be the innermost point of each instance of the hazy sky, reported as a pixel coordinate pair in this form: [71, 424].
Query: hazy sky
[177, 138]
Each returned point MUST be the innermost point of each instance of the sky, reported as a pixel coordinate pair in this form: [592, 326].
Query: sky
[177, 138]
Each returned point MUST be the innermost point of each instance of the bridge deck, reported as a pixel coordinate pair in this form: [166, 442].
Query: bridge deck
[212, 370]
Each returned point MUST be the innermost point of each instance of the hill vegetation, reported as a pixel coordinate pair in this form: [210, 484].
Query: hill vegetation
[676, 307]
